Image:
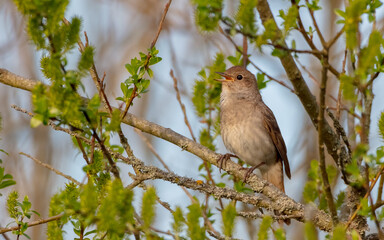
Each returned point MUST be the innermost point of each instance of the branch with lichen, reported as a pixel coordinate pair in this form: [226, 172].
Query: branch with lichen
[273, 200]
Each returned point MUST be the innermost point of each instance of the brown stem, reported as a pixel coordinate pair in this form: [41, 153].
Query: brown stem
[245, 51]
[82, 150]
[317, 28]
[373, 212]
[323, 169]
[186, 121]
[160, 27]
[31, 224]
[331, 139]
[253, 64]
[51, 168]
[373, 183]
[281, 202]
[366, 114]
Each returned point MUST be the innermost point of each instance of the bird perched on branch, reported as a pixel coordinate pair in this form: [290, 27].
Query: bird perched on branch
[249, 128]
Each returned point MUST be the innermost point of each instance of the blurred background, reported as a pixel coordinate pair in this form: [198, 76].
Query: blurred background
[119, 30]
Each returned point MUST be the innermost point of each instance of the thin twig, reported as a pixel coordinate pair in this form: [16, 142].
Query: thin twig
[373, 183]
[182, 105]
[278, 46]
[340, 130]
[256, 215]
[51, 168]
[152, 149]
[275, 197]
[313, 78]
[31, 224]
[373, 212]
[245, 51]
[339, 93]
[82, 150]
[380, 189]
[254, 65]
[334, 39]
[317, 28]
[323, 170]
[160, 27]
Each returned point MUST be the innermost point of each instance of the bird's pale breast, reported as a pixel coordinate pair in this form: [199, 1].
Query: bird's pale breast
[244, 134]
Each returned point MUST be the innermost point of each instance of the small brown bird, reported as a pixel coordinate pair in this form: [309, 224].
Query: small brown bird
[249, 128]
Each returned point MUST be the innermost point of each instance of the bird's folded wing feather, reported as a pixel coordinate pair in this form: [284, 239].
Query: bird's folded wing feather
[271, 125]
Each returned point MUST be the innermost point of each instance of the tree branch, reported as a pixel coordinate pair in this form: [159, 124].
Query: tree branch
[279, 201]
[51, 168]
[31, 224]
[322, 165]
[308, 101]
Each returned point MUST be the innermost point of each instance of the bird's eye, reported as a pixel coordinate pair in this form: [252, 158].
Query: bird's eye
[239, 77]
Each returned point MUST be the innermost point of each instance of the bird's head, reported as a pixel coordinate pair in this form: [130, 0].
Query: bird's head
[238, 80]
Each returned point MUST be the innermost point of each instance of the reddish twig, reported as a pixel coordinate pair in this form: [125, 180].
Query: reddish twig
[245, 51]
[31, 224]
[253, 64]
[324, 174]
[160, 27]
[311, 13]
[373, 183]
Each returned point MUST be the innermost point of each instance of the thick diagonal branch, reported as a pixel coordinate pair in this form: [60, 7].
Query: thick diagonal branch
[331, 140]
[283, 203]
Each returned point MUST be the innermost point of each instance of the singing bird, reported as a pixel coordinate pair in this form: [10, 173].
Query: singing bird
[249, 128]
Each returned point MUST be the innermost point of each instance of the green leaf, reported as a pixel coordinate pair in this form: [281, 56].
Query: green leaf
[381, 125]
[114, 122]
[36, 121]
[208, 13]
[143, 85]
[246, 16]
[279, 234]
[228, 216]
[178, 221]
[261, 82]
[154, 60]
[290, 19]
[348, 87]
[198, 99]
[353, 18]
[148, 207]
[339, 233]
[86, 59]
[195, 231]
[279, 53]
[264, 228]
[310, 231]
[12, 203]
[116, 211]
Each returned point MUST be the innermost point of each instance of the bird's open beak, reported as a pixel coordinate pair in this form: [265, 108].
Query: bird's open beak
[227, 77]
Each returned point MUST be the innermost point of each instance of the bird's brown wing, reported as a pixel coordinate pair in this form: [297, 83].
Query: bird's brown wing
[270, 124]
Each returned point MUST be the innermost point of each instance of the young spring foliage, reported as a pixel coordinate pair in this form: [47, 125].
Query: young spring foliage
[6, 180]
[228, 216]
[206, 98]
[208, 13]
[106, 206]
[20, 211]
[136, 84]
[194, 219]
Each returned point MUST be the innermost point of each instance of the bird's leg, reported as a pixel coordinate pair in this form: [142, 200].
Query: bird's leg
[224, 158]
[250, 170]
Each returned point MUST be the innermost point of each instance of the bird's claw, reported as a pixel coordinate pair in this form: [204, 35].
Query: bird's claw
[224, 158]
[250, 170]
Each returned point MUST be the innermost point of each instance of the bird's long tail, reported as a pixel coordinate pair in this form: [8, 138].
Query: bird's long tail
[275, 175]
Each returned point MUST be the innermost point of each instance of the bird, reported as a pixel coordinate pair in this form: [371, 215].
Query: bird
[249, 128]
